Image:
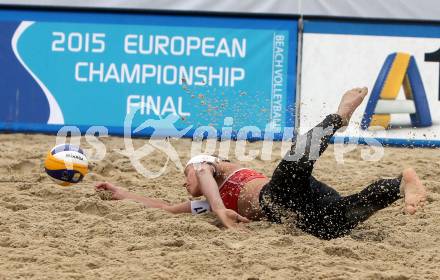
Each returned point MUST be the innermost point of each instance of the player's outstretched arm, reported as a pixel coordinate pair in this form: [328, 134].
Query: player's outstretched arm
[119, 194]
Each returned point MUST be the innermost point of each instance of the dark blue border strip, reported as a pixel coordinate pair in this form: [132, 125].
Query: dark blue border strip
[142, 19]
[117, 131]
[404, 29]
[392, 142]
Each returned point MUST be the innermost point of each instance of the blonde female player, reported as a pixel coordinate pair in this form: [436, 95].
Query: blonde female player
[237, 195]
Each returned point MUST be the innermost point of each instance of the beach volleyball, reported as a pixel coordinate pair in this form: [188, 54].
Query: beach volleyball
[205, 140]
[66, 164]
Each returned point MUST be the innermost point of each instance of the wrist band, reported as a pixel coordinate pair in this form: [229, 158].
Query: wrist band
[199, 207]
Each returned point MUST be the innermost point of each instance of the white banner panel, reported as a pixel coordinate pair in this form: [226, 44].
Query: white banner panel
[338, 56]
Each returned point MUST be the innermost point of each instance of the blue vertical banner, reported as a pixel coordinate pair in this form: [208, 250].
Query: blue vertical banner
[84, 69]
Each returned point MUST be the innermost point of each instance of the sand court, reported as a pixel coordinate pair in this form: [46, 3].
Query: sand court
[53, 232]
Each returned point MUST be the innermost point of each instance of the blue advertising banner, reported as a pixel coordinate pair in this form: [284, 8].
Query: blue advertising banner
[83, 69]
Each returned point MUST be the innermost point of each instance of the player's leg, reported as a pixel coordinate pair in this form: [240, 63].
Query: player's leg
[334, 217]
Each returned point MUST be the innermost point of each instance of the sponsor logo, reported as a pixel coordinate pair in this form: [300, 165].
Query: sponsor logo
[399, 69]
[74, 156]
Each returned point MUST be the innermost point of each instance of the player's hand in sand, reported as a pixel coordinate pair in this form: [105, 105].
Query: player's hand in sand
[349, 102]
[230, 219]
[414, 191]
[117, 192]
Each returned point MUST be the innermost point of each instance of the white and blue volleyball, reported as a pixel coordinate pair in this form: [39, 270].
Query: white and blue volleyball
[66, 164]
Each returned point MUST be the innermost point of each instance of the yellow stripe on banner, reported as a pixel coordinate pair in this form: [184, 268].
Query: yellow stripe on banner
[382, 120]
[395, 77]
[407, 88]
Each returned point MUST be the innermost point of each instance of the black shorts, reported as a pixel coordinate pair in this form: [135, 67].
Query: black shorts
[319, 209]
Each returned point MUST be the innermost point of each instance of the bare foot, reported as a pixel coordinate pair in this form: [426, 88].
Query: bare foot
[117, 193]
[414, 191]
[349, 102]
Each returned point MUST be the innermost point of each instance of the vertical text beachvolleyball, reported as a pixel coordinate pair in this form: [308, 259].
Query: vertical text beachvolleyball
[277, 90]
